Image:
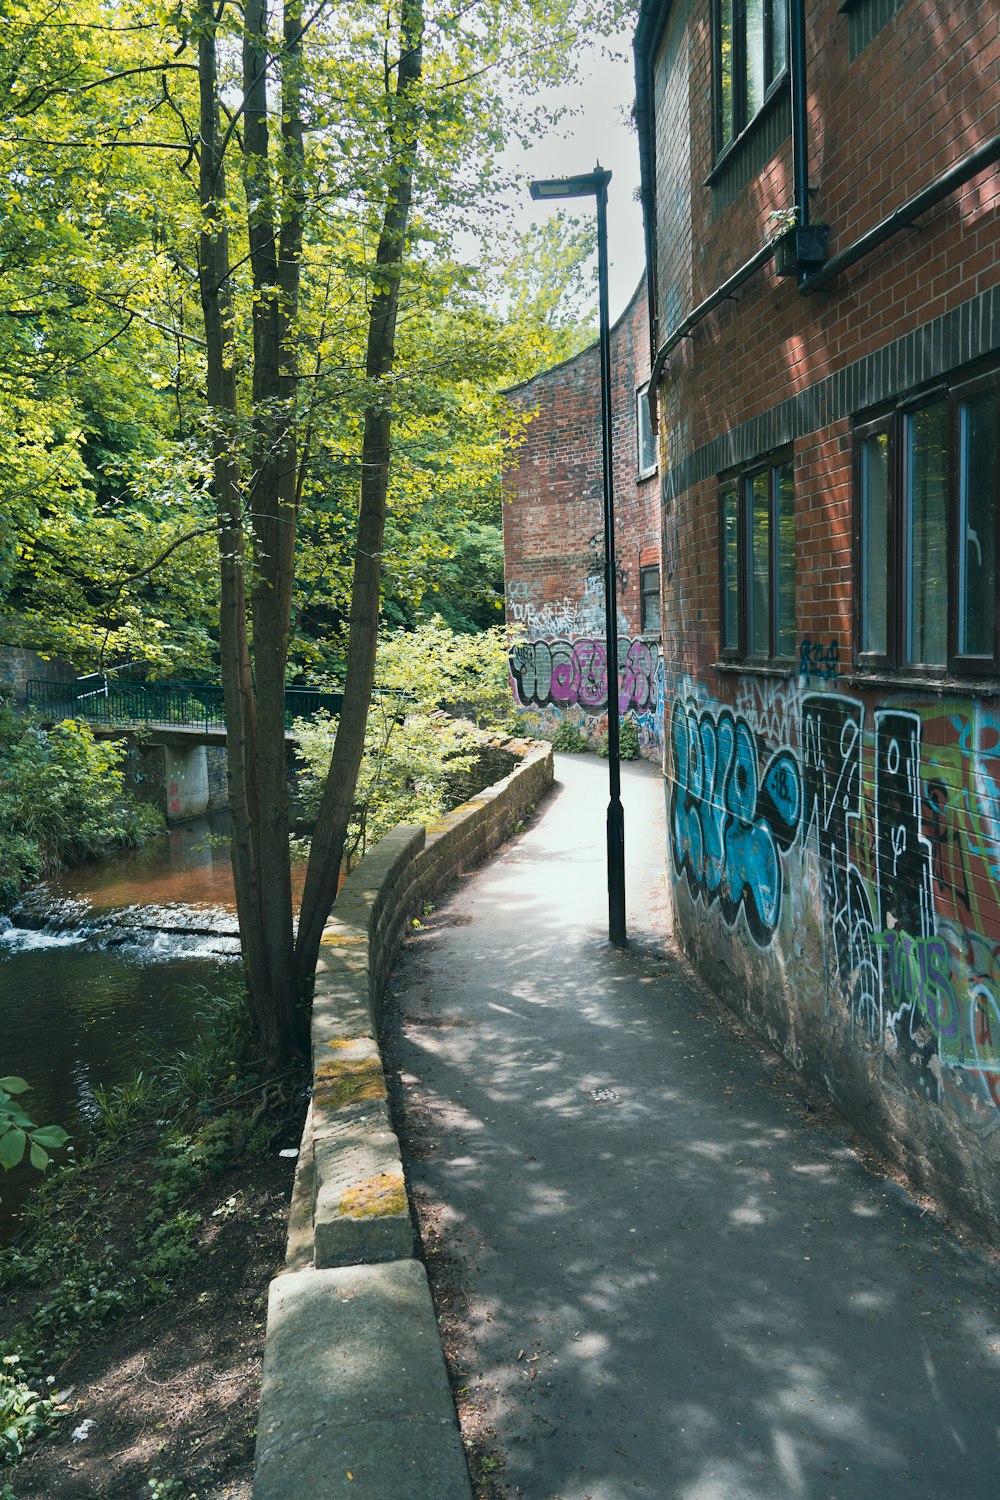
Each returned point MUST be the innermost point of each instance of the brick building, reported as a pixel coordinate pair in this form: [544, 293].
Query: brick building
[554, 542]
[828, 421]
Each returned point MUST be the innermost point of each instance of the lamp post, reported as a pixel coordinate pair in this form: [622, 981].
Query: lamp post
[595, 185]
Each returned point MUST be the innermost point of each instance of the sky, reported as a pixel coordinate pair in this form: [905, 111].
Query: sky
[599, 130]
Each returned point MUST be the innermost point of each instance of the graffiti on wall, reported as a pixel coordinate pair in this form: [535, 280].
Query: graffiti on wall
[733, 814]
[819, 661]
[898, 814]
[574, 674]
[561, 666]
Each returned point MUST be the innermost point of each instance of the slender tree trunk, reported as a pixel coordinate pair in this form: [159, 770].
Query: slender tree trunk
[237, 680]
[274, 257]
[338, 794]
[258, 792]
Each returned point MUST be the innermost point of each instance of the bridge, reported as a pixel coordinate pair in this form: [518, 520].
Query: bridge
[172, 725]
[187, 709]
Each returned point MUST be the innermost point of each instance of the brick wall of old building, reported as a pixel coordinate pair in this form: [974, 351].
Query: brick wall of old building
[554, 544]
[834, 821]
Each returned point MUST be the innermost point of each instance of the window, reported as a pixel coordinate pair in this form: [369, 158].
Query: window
[645, 436]
[649, 600]
[757, 543]
[926, 481]
[749, 56]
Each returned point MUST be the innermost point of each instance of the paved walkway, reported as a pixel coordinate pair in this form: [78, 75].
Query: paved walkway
[680, 1282]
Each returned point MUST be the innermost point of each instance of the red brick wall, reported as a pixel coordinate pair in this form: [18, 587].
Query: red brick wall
[554, 534]
[834, 836]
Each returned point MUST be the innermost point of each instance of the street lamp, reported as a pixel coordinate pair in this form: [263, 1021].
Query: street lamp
[595, 185]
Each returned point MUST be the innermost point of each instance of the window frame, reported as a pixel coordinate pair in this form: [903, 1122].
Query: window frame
[642, 404]
[741, 120]
[741, 483]
[897, 584]
[653, 593]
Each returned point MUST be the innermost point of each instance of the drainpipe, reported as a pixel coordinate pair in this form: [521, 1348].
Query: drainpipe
[800, 116]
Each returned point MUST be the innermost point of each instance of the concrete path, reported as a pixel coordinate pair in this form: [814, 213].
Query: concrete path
[679, 1280]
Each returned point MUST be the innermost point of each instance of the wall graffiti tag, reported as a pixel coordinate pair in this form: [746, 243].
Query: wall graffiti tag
[573, 674]
[831, 787]
[817, 660]
[899, 817]
[730, 819]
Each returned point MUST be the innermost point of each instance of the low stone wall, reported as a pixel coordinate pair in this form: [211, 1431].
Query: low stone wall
[354, 1381]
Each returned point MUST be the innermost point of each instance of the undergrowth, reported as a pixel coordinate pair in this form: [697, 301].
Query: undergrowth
[115, 1231]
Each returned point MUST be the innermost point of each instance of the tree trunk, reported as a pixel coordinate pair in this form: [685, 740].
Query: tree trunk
[258, 794]
[338, 794]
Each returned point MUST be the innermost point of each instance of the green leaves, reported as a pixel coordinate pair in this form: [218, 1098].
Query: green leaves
[18, 1134]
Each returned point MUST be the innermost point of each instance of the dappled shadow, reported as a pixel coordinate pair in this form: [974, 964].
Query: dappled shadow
[678, 1284]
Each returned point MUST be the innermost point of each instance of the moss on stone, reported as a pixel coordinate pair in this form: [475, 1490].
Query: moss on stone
[375, 1198]
[343, 1081]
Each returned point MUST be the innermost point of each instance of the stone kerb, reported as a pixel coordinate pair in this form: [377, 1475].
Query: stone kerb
[350, 1216]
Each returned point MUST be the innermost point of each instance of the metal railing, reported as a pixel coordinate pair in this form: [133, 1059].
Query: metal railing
[102, 700]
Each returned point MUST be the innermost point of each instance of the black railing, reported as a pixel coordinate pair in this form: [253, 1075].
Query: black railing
[102, 700]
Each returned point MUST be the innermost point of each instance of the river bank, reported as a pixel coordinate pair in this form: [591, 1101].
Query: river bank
[137, 1300]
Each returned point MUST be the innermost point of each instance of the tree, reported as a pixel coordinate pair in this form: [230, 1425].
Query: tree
[330, 156]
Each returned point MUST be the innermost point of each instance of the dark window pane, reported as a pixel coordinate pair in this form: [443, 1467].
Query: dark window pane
[730, 567]
[760, 574]
[779, 38]
[875, 542]
[927, 535]
[756, 84]
[649, 593]
[726, 70]
[785, 517]
[977, 526]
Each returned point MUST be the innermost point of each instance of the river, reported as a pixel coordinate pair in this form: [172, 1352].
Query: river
[103, 971]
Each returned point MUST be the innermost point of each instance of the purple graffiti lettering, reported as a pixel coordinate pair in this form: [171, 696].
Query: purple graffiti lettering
[566, 674]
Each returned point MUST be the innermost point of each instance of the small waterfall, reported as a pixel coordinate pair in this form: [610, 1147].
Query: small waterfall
[144, 933]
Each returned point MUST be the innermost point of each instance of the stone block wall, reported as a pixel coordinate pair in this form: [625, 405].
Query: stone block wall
[350, 1217]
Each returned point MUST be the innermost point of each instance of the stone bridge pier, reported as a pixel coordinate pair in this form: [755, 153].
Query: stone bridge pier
[182, 780]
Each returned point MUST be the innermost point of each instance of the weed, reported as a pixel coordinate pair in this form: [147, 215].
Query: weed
[23, 1412]
[568, 738]
[120, 1107]
[628, 742]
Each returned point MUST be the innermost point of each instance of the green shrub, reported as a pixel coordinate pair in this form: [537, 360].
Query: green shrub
[412, 744]
[628, 742]
[61, 800]
[568, 737]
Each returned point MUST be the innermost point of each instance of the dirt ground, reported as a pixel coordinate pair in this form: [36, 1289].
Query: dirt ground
[169, 1393]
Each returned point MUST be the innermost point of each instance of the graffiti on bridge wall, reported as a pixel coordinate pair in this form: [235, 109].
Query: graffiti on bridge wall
[900, 822]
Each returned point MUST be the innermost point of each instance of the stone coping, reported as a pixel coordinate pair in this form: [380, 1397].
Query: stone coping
[358, 1402]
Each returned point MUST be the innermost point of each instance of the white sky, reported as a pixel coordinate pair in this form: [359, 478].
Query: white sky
[599, 130]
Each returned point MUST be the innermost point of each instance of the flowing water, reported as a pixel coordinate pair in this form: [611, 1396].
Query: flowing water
[103, 972]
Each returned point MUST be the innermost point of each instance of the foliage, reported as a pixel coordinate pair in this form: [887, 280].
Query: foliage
[19, 1134]
[61, 800]
[628, 742]
[545, 292]
[24, 1412]
[247, 324]
[413, 741]
[72, 1253]
[569, 738]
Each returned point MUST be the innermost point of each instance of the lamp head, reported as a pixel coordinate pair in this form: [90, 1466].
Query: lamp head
[589, 185]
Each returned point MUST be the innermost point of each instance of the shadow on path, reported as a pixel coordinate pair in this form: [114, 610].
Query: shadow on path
[675, 1279]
